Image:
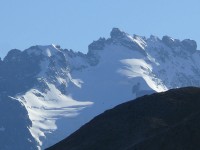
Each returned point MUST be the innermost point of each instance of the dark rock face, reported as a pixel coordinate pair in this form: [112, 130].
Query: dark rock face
[17, 74]
[189, 44]
[14, 132]
[18, 71]
[117, 33]
[93, 49]
[167, 121]
[97, 45]
[170, 42]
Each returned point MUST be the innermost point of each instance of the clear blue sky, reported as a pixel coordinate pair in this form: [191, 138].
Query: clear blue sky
[74, 24]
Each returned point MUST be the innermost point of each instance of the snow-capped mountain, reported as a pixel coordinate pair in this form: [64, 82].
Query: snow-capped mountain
[51, 92]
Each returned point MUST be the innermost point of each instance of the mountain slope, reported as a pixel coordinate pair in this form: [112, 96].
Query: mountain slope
[168, 121]
[59, 90]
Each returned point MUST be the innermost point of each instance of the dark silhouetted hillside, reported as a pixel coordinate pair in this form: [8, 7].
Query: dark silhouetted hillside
[162, 121]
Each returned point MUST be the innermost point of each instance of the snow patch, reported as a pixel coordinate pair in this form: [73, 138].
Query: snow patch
[138, 40]
[139, 68]
[77, 82]
[45, 108]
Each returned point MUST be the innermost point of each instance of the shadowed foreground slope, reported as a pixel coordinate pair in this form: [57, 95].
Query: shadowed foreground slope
[167, 121]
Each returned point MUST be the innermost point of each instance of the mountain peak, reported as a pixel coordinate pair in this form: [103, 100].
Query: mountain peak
[189, 44]
[169, 40]
[186, 44]
[117, 33]
[47, 50]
